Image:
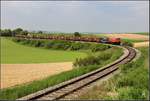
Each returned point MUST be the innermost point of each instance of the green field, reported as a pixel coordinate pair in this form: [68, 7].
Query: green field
[142, 33]
[132, 40]
[12, 52]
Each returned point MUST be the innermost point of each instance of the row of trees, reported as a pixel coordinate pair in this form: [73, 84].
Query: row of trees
[9, 32]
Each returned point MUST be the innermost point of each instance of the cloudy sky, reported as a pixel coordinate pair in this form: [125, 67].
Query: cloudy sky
[81, 16]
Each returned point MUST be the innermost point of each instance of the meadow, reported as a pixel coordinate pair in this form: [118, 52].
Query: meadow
[12, 53]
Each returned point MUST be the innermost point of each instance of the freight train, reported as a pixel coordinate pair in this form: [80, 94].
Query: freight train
[115, 41]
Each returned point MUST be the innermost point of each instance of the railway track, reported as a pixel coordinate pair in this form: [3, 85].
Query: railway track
[65, 88]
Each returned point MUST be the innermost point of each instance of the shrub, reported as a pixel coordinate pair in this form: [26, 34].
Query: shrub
[132, 93]
[76, 46]
[62, 44]
[92, 60]
[99, 47]
[127, 43]
[48, 44]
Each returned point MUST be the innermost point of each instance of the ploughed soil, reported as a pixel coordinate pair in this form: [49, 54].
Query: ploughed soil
[141, 44]
[129, 36]
[15, 74]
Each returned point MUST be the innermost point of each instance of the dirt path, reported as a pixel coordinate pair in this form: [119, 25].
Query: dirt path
[14, 74]
[141, 44]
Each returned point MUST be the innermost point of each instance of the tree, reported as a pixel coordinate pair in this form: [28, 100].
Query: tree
[25, 32]
[6, 32]
[77, 34]
[40, 32]
[17, 31]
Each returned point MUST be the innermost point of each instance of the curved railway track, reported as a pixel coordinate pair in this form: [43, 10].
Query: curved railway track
[67, 87]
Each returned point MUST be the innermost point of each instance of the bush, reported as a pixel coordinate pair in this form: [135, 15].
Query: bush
[62, 44]
[132, 93]
[127, 44]
[76, 46]
[92, 60]
[99, 47]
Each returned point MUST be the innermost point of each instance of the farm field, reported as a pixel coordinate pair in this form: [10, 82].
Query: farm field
[142, 33]
[36, 63]
[127, 36]
[15, 74]
[140, 44]
[12, 52]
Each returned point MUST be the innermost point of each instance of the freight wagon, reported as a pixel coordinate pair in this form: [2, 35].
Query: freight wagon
[116, 41]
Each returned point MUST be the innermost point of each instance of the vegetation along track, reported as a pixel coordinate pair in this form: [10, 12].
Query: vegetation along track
[65, 88]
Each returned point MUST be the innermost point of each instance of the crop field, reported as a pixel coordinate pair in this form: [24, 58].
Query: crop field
[141, 44]
[36, 63]
[135, 37]
[14, 53]
[15, 74]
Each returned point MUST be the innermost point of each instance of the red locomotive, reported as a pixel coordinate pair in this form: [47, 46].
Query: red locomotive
[114, 40]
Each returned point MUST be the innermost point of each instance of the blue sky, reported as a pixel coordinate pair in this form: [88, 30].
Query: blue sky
[81, 16]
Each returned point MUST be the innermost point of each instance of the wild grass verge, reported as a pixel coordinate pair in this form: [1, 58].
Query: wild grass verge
[130, 84]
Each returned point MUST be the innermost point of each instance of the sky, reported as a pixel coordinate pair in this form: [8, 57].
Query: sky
[80, 16]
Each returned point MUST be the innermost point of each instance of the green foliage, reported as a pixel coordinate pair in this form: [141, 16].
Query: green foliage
[76, 46]
[131, 40]
[99, 47]
[132, 93]
[25, 32]
[127, 43]
[135, 78]
[92, 60]
[63, 45]
[77, 34]
[142, 33]
[6, 32]
[130, 84]
[18, 30]
[9, 32]
[40, 32]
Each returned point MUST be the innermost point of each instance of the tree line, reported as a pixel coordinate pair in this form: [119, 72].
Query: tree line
[20, 31]
[9, 32]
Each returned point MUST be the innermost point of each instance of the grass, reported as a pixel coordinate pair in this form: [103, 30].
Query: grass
[22, 90]
[12, 52]
[131, 83]
[142, 33]
[132, 40]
